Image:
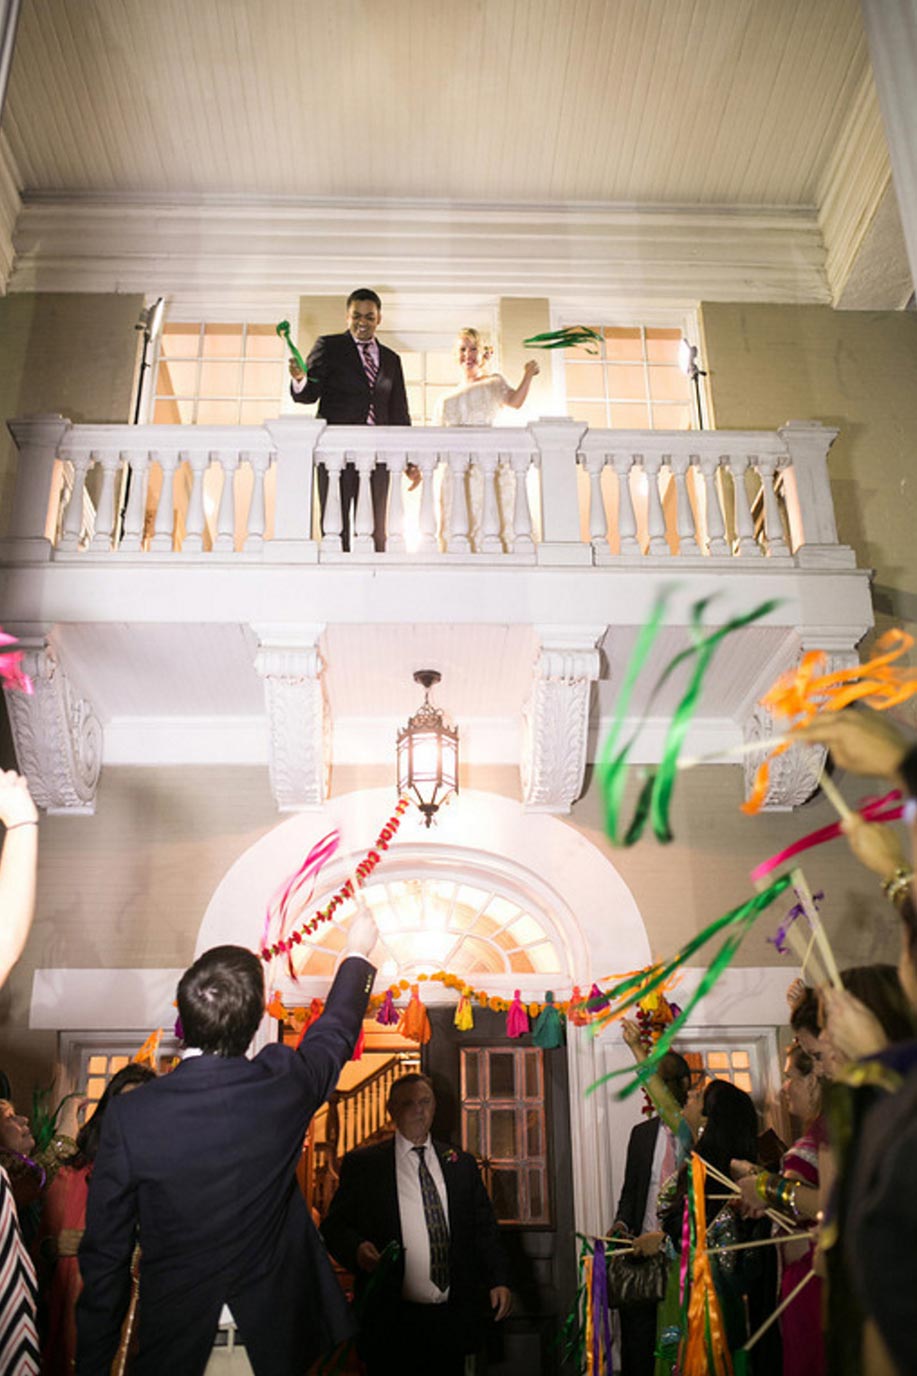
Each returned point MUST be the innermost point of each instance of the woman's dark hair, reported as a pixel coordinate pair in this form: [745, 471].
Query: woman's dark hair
[806, 1015]
[732, 1126]
[799, 1059]
[87, 1139]
[879, 987]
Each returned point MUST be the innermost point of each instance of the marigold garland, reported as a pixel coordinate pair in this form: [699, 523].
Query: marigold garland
[347, 890]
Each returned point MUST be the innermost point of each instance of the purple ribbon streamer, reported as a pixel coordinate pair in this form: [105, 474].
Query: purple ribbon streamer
[797, 911]
[601, 1340]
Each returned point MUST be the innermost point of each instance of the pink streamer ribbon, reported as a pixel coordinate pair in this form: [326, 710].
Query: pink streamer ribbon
[310, 868]
[886, 809]
[685, 1252]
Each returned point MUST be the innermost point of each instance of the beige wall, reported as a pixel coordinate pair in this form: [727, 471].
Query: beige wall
[64, 352]
[520, 318]
[856, 370]
[129, 886]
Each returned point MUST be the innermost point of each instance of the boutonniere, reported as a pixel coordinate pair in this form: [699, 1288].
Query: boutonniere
[450, 1156]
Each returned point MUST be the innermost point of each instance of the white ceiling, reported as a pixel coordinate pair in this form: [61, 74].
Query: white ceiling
[735, 102]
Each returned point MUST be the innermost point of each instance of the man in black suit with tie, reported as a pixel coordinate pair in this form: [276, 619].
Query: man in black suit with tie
[202, 1163]
[651, 1158]
[356, 381]
[426, 1202]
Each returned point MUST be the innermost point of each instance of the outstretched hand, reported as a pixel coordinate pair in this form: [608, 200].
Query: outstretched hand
[862, 741]
[16, 803]
[362, 934]
[851, 1027]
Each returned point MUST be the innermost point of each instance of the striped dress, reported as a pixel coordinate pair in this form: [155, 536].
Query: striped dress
[18, 1293]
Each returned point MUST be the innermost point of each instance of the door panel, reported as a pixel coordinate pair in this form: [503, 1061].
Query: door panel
[507, 1103]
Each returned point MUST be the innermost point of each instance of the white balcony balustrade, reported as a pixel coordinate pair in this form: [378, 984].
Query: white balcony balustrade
[551, 493]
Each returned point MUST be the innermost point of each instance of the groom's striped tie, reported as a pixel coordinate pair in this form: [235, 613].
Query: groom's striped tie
[18, 1293]
[371, 369]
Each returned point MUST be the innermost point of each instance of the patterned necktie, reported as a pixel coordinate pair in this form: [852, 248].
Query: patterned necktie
[18, 1293]
[437, 1227]
[371, 369]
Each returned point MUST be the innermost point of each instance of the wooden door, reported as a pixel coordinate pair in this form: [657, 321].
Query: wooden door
[506, 1101]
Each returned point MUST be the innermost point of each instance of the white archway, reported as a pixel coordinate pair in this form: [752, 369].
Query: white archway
[574, 891]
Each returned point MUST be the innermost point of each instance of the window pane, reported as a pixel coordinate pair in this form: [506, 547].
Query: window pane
[262, 380]
[180, 341]
[623, 342]
[662, 345]
[533, 1074]
[472, 1133]
[95, 1089]
[470, 1066]
[534, 1145]
[742, 1080]
[537, 1196]
[263, 341]
[502, 1074]
[583, 350]
[502, 1133]
[626, 382]
[526, 929]
[593, 413]
[222, 341]
[218, 413]
[176, 379]
[740, 1060]
[504, 1194]
[169, 412]
[630, 417]
[117, 1063]
[668, 384]
[673, 417]
[544, 957]
[254, 412]
[585, 380]
[220, 379]
[98, 1065]
[717, 1060]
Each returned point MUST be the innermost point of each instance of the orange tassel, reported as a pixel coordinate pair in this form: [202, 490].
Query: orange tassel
[149, 1052]
[414, 1022]
[704, 1305]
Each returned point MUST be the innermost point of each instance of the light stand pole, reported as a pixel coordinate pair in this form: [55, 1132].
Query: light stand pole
[150, 323]
[687, 361]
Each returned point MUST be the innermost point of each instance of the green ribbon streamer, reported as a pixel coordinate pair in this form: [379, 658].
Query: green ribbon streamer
[655, 797]
[283, 329]
[738, 922]
[570, 338]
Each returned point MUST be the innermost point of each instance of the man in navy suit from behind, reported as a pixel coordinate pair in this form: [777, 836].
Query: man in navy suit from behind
[356, 381]
[199, 1167]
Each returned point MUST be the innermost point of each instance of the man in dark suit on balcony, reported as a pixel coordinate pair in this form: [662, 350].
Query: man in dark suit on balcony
[426, 1202]
[356, 381]
[203, 1161]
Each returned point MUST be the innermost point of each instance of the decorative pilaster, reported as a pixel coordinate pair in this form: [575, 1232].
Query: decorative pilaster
[56, 733]
[794, 775]
[555, 720]
[291, 665]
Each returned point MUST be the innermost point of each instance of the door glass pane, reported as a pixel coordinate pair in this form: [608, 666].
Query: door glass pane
[537, 1209]
[502, 1132]
[470, 1062]
[502, 1075]
[472, 1133]
[533, 1136]
[532, 1075]
[504, 1194]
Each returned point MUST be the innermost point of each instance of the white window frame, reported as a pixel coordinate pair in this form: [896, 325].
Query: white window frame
[75, 1050]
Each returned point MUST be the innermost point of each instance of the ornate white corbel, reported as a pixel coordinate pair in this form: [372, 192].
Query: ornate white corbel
[56, 733]
[291, 665]
[555, 719]
[793, 776]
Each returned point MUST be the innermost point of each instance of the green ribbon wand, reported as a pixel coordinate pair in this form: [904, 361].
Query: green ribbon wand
[283, 329]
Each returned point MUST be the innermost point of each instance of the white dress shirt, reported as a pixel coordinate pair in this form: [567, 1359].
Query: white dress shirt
[665, 1145]
[418, 1288]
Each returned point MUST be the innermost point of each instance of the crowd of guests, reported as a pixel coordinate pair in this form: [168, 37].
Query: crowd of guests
[123, 1254]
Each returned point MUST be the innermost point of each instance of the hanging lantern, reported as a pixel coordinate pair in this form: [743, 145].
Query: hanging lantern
[428, 753]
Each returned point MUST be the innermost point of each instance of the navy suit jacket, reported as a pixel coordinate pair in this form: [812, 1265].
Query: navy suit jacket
[335, 377]
[365, 1209]
[203, 1161]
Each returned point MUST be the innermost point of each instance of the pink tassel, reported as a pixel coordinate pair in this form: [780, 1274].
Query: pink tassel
[387, 1014]
[597, 1000]
[358, 1049]
[517, 1019]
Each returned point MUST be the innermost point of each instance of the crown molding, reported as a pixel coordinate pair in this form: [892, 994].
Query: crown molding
[629, 253]
[10, 208]
[856, 179]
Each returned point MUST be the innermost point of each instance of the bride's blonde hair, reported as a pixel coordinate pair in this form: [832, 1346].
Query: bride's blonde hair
[485, 350]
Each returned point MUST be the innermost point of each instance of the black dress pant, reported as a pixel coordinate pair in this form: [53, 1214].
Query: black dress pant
[350, 483]
[429, 1343]
[638, 1339]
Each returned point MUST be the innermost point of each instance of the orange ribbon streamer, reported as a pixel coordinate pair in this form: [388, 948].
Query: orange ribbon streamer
[802, 693]
[706, 1352]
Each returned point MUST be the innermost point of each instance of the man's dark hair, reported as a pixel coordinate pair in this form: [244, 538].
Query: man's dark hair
[675, 1072]
[878, 987]
[364, 294]
[129, 1076]
[414, 1077]
[221, 1000]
